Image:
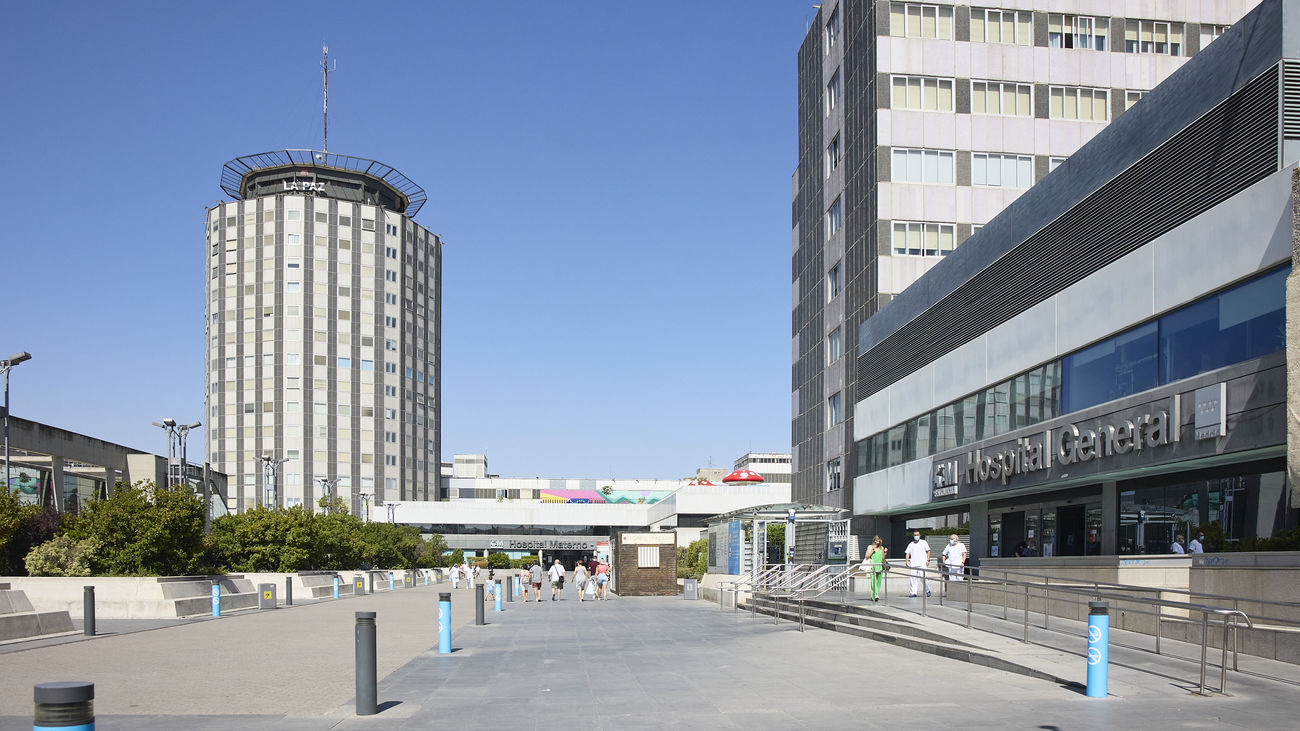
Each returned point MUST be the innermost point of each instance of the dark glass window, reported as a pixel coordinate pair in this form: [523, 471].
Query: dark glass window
[1242, 323]
[1114, 368]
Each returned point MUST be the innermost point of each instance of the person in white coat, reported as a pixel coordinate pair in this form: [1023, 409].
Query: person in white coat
[918, 557]
[455, 577]
[1197, 545]
[954, 557]
[469, 576]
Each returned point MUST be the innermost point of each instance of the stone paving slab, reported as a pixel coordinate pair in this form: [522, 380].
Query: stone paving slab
[654, 663]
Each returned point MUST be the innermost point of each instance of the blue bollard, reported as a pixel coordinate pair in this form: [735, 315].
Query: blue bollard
[392, 581]
[497, 595]
[336, 587]
[444, 623]
[216, 599]
[1098, 647]
[66, 706]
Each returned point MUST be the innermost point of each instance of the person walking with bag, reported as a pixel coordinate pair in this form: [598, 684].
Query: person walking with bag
[602, 581]
[874, 564]
[557, 579]
[580, 577]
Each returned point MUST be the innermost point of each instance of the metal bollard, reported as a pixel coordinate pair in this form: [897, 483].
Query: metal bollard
[288, 591]
[1098, 647]
[336, 587]
[216, 598]
[512, 587]
[444, 623]
[367, 674]
[478, 605]
[392, 581]
[372, 583]
[88, 611]
[497, 595]
[65, 706]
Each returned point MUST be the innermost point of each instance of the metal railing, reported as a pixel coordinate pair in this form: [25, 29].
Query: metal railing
[1083, 592]
[784, 584]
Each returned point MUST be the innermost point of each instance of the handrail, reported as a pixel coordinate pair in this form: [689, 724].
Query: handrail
[1227, 616]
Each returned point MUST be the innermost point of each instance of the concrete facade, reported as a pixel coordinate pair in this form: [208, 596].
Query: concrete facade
[323, 324]
[1054, 290]
[918, 124]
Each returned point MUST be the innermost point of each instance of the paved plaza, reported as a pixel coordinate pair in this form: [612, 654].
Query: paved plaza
[623, 664]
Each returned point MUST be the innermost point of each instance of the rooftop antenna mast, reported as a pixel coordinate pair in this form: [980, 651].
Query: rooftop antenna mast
[325, 72]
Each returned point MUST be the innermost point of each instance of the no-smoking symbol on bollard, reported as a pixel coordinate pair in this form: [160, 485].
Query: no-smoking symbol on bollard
[1094, 656]
[1094, 634]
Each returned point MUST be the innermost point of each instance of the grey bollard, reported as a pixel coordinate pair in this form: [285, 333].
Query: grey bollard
[88, 611]
[367, 674]
[510, 588]
[288, 591]
[478, 604]
[372, 582]
[69, 705]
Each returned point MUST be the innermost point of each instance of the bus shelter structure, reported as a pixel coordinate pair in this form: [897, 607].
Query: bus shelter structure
[814, 534]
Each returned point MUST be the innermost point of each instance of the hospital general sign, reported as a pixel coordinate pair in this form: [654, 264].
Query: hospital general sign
[986, 470]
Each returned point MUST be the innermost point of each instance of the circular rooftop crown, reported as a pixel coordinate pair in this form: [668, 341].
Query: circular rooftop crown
[251, 176]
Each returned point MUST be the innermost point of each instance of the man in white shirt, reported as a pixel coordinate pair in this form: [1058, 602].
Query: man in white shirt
[557, 579]
[918, 557]
[954, 557]
[1198, 544]
[1177, 545]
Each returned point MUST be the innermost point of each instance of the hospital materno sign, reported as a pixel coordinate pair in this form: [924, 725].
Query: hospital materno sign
[1069, 444]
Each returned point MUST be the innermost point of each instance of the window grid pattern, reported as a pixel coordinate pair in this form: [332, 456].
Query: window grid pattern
[992, 25]
[919, 20]
[1001, 170]
[908, 165]
[1001, 97]
[1078, 103]
[921, 93]
[917, 238]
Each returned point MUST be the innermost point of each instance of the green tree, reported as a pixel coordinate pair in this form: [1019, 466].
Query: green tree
[693, 560]
[498, 560]
[457, 557]
[144, 530]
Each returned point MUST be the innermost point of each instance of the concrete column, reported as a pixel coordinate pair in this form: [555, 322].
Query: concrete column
[979, 530]
[1293, 348]
[1109, 519]
[56, 476]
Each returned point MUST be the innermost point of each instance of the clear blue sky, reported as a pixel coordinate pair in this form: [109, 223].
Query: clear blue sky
[612, 181]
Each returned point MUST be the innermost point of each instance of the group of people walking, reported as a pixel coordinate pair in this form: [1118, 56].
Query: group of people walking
[590, 577]
[918, 560]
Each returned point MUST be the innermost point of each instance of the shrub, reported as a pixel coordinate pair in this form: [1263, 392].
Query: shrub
[498, 560]
[62, 556]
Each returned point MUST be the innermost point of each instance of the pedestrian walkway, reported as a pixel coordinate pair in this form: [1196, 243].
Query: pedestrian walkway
[627, 663]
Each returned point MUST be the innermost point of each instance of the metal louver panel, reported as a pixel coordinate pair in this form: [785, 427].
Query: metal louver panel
[1291, 100]
[1229, 148]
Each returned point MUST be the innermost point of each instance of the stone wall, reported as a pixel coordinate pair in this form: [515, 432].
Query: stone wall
[633, 579]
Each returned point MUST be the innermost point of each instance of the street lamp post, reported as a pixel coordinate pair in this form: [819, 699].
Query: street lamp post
[5, 365]
[271, 479]
[176, 454]
[366, 498]
[392, 512]
[327, 485]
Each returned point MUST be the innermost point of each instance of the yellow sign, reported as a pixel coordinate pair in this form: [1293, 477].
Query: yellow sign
[266, 595]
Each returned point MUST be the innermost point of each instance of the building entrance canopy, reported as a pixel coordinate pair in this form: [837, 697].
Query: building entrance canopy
[803, 512]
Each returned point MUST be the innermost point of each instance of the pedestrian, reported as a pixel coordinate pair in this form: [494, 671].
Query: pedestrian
[1177, 545]
[557, 579]
[1019, 550]
[954, 557]
[580, 577]
[591, 566]
[874, 564]
[1198, 543]
[523, 579]
[1031, 551]
[535, 574]
[918, 560]
[455, 577]
[473, 575]
[602, 580]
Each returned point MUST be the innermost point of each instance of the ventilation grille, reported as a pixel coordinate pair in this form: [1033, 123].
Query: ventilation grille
[1222, 153]
[1291, 100]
